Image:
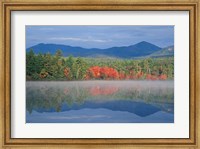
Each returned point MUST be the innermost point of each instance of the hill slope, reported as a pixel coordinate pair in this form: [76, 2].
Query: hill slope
[140, 49]
[165, 52]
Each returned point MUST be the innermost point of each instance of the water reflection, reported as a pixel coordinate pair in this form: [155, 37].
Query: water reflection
[100, 101]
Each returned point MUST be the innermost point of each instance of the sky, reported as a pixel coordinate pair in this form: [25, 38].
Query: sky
[99, 36]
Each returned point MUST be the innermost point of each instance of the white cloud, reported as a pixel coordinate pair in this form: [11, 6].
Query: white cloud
[79, 39]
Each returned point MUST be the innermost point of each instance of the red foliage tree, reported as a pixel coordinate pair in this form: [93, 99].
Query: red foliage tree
[163, 77]
[154, 77]
[97, 72]
[66, 72]
[109, 73]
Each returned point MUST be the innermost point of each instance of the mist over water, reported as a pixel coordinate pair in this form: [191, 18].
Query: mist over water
[100, 102]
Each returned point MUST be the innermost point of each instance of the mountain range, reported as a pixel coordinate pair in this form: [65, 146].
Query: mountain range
[141, 49]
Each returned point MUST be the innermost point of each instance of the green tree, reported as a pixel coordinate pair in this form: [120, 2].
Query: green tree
[30, 63]
[58, 53]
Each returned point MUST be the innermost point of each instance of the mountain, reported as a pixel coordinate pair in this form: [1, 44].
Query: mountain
[140, 49]
[165, 52]
[139, 108]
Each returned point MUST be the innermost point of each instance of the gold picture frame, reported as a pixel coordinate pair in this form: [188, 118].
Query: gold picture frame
[193, 6]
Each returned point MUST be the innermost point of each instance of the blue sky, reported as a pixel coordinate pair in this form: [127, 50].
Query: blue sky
[99, 36]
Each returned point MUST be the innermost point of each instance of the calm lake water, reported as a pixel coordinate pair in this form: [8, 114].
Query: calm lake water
[100, 102]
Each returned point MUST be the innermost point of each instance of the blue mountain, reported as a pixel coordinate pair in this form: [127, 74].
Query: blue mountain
[138, 108]
[137, 50]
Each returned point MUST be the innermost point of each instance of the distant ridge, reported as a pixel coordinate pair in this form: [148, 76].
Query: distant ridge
[137, 50]
[165, 52]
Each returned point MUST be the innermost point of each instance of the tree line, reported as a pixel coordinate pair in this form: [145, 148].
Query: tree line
[56, 67]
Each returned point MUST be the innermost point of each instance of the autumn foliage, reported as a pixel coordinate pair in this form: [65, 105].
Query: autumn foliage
[66, 72]
[154, 77]
[55, 67]
[108, 73]
[97, 72]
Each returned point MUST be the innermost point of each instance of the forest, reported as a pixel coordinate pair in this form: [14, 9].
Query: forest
[47, 67]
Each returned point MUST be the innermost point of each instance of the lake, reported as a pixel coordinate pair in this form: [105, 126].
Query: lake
[100, 101]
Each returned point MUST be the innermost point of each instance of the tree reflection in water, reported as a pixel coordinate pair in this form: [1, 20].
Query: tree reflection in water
[54, 96]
